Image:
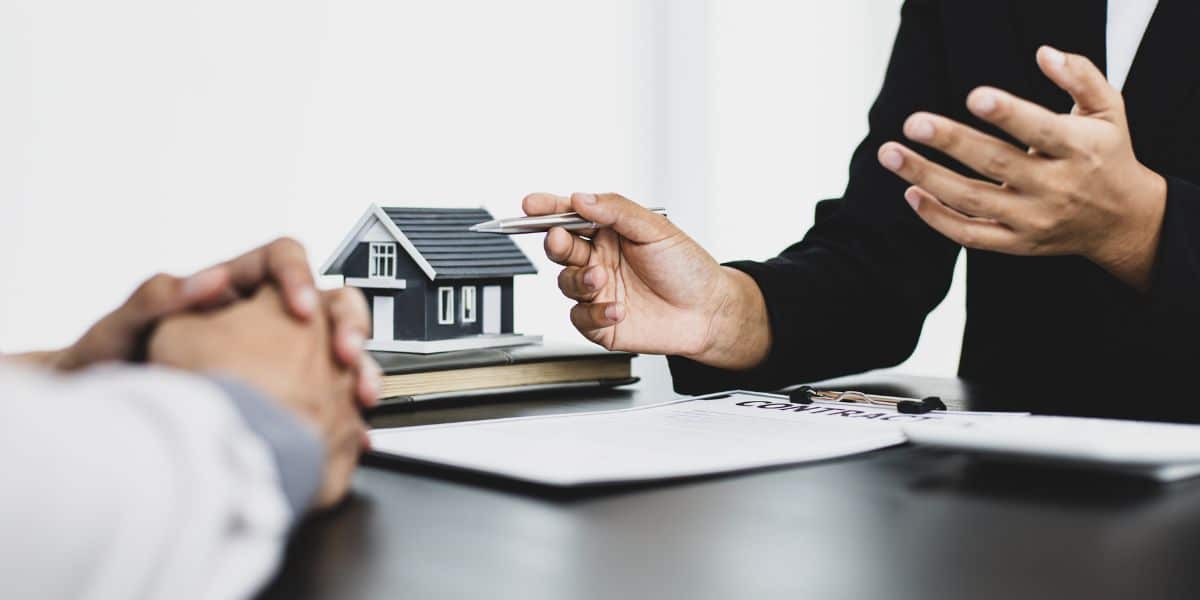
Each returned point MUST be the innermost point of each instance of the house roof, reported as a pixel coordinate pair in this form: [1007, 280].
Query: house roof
[440, 242]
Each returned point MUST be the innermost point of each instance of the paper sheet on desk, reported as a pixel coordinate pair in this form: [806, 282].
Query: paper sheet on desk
[694, 436]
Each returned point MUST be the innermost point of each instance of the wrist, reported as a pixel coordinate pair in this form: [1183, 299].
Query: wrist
[49, 359]
[294, 444]
[1130, 252]
[739, 334]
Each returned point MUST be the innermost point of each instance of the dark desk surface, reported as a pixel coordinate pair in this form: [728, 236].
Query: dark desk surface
[898, 523]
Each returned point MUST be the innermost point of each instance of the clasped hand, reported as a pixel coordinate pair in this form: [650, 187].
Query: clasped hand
[1077, 190]
[260, 319]
[121, 335]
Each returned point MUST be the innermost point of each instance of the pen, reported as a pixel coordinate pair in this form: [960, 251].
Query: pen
[569, 221]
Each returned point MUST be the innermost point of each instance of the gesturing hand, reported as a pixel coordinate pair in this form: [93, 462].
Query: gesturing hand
[290, 360]
[643, 285]
[1078, 190]
[121, 334]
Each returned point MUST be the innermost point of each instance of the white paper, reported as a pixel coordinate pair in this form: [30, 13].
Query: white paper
[1163, 451]
[694, 436]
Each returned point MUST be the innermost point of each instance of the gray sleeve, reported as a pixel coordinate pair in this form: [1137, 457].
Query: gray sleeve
[298, 453]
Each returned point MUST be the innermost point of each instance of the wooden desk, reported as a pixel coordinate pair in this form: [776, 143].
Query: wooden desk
[895, 524]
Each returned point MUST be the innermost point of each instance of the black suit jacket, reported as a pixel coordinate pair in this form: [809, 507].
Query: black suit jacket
[854, 293]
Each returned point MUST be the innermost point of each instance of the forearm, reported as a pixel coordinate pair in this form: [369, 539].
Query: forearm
[150, 481]
[854, 293]
[1173, 291]
[41, 358]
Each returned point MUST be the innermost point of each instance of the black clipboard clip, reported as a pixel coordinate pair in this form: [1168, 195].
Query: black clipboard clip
[807, 395]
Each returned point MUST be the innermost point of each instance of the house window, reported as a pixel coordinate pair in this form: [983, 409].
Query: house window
[383, 260]
[468, 304]
[445, 306]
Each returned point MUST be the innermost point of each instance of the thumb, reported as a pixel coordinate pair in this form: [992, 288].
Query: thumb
[1080, 78]
[626, 217]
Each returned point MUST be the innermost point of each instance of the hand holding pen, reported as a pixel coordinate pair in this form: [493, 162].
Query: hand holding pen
[643, 285]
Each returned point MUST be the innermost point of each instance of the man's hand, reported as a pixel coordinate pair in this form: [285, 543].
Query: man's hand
[642, 285]
[121, 335]
[1078, 190]
[288, 359]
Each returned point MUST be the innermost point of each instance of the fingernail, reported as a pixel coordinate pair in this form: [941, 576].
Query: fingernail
[202, 283]
[982, 102]
[913, 198]
[892, 159]
[613, 312]
[589, 279]
[306, 301]
[1054, 58]
[370, 392]
[588, 199]
[371, 381]
[920, 129]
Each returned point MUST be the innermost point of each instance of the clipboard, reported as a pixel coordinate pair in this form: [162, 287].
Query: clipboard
[911, 406]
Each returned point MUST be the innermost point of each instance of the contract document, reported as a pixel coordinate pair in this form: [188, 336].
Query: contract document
[718, 433]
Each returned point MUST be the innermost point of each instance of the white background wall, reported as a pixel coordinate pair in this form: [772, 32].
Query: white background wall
[139, 135]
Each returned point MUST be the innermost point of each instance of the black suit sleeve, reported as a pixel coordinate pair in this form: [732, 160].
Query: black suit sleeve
[854, 293]
[1174, 295]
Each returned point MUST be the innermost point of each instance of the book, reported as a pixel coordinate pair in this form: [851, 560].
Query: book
[417, 377]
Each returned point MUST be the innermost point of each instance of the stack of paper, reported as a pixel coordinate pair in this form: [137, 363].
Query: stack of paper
[694, 436]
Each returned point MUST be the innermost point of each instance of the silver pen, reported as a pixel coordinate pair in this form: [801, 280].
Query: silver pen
[569, 221]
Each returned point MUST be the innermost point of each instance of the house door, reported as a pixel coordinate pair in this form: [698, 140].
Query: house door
[491, 309]
[383, 313]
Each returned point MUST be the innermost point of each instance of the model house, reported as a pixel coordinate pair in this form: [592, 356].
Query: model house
[432, 284]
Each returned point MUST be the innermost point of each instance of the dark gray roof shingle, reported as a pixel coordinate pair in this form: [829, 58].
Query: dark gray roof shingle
[443, 238]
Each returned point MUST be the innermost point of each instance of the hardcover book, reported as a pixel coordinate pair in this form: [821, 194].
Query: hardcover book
[417, 377]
